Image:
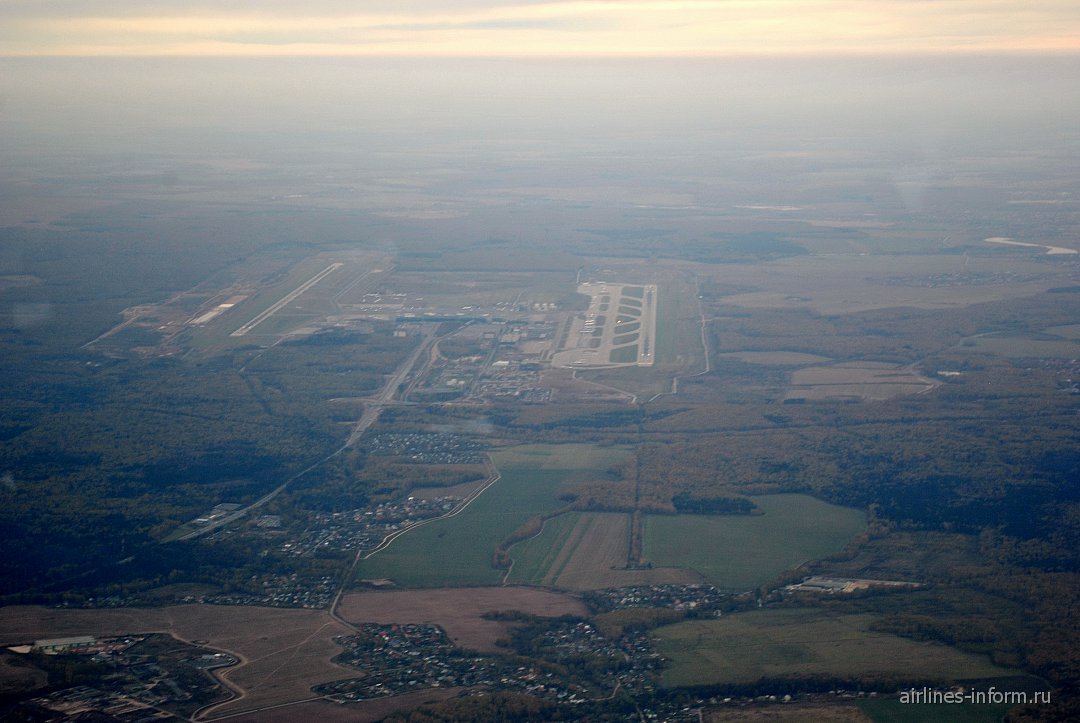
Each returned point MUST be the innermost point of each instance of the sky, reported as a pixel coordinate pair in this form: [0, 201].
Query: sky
[534, 28]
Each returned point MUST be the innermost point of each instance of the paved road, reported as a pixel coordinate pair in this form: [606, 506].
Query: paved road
[492, 478]
[372, 410]
[287, 299]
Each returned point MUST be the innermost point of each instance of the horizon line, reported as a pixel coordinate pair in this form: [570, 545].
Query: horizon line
[838, 54]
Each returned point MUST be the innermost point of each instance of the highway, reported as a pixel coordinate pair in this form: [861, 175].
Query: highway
[386, 395]
[372, 410]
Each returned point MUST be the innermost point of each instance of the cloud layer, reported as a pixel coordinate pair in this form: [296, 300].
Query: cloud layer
[536, 28]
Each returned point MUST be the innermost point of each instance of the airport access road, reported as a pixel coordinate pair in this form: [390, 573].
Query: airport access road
[372, 409]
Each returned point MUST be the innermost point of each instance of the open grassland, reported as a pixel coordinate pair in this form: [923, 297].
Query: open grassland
[745, 647]
[582, 457]
[458, 611]
[857, 380]
[565, 384]
[624, 354]
[365, 711]
[456, 289]
[283, 653]
[774, 358]
[458, 551]
[845, 284]
[678, 328]
[1017, 347]
[256, 314]
[676, 350]
[789, 713]
[534, 558]
[573, 550]
[742, 552]
[1070, 331]
[587, 551]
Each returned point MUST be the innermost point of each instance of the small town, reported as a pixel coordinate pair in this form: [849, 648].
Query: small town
[700, 598]
[365, 529]
[397, 659]
[150, 677]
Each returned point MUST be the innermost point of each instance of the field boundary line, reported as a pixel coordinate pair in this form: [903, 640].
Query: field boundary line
[495, 476]
[573, 542]
[505, 579]
[453, 513]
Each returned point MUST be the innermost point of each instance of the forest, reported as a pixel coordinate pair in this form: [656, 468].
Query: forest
[106, 455]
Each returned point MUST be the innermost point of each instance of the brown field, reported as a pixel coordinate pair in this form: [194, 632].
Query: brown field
[565, 385]
[458, 611]
[283, 652]
[839, 713]
[361, 712]
[857, 380]
[17, 676]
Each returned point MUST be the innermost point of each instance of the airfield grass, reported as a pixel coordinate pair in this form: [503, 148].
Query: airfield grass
[745, 647]
[458, 551]
[741, 552]
[678, 329]
[311, 306]
[676, 348]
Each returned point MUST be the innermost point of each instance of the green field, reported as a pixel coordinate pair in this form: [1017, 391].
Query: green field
[1015, 347]
[534, 557]
[458, 551]
[742, 552]
[745, 647]
[678, 329]
[589, 550]
[893, 711]
[1070, 331]
[583, 551]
